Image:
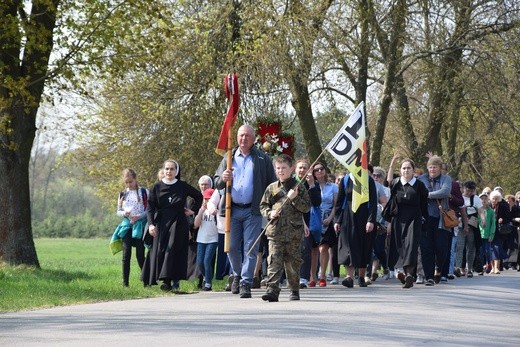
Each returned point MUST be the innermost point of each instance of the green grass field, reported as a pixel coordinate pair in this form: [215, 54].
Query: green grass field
[74, 271]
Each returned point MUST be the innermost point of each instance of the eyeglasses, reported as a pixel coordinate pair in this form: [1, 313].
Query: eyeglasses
[377, 175]
[319, 169]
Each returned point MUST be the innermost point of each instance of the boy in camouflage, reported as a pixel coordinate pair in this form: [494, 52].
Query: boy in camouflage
[285, 229]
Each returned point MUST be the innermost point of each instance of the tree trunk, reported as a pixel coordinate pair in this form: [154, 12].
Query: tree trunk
[392, 47]
[16, 238]
[24, 61]
[302, 105]
[447, 72]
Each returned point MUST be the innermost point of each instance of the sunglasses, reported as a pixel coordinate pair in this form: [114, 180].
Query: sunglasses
[319, 169]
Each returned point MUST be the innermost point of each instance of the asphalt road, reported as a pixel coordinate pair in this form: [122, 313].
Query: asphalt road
[482, 311]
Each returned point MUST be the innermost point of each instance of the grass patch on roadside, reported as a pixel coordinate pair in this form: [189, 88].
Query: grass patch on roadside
[74, 271]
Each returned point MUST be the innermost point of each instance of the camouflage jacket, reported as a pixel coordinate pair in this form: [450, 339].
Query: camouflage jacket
[289, 223]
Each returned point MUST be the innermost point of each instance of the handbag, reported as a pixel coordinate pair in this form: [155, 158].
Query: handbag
[505, 229]
[449, 217]
[315, 223]
[380, 229]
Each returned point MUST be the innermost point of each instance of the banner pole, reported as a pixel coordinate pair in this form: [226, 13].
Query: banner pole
[229, 166]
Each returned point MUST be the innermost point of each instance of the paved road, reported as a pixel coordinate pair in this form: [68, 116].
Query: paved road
[483, 311]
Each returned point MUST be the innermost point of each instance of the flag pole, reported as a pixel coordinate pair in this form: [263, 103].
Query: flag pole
[284, 202]
[227, 225]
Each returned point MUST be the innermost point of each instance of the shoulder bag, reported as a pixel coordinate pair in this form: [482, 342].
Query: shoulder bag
[505, 229]
[449, 217]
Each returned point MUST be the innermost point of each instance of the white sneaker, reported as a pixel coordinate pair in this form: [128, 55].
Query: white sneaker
[420, 279]
[329, 277]
[368, 281]
[391, 274]
[335, 280]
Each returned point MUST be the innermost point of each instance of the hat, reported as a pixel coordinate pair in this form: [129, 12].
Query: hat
[498, 188]
[482, 194]
[207, 193]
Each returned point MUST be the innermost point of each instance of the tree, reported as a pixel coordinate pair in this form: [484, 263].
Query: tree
[80, 37]
[26, 46]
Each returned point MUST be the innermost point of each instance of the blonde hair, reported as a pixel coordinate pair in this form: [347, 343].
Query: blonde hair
[130, 173]
[435, 160]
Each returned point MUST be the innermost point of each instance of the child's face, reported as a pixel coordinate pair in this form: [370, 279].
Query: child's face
[130, 183]
[283, 171]
[485, 201]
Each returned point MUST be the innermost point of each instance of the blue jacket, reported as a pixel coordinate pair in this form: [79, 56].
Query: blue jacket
[121, 230]
[439, 189]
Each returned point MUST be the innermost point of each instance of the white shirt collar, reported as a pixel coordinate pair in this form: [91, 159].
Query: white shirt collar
[165, 181]
[411, 182]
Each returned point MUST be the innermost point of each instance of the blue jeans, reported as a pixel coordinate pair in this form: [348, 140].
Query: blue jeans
[453, 251]
[486, 252]
[205, 255]
[245, 229]
[223, 268]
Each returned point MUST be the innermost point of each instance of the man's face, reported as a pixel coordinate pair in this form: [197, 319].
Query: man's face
[245, 138]
[468, 191]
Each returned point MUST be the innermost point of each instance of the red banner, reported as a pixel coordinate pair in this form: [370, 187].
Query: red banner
[231, 87]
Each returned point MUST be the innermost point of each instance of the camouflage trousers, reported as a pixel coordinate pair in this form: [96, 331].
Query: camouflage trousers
[284, 255]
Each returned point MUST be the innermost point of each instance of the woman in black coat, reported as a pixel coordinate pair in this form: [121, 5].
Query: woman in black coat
[503, 216]
[355, 241]
[411, 197]
[168, 225]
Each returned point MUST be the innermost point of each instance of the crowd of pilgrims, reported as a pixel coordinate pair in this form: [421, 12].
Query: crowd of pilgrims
[408, 241]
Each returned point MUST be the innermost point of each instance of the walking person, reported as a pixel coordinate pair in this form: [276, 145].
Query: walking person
[435, 235]
[355, 241]
[329, 193]
[131, 206]
[285, 230]
[168, 258]
[502, 216]
[309, 247]
[467, 237]
[411, 197]
[207, 239]
[252, 171]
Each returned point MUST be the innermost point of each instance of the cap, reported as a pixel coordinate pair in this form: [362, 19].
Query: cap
[482, 194]
[207, 193]
[498, 188]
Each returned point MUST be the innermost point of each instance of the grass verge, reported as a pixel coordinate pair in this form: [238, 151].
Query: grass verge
[74, 271]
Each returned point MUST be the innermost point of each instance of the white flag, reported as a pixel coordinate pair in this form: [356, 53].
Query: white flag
[349, 147]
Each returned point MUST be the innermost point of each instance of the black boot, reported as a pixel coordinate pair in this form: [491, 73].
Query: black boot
[270, 296]
[295, 295]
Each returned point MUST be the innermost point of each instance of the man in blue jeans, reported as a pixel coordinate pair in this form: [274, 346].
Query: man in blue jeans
[252, 172]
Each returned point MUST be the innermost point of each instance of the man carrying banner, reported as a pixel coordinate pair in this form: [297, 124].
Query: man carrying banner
[252, 171]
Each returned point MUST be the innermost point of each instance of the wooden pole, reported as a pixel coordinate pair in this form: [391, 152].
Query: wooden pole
[227, 224]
